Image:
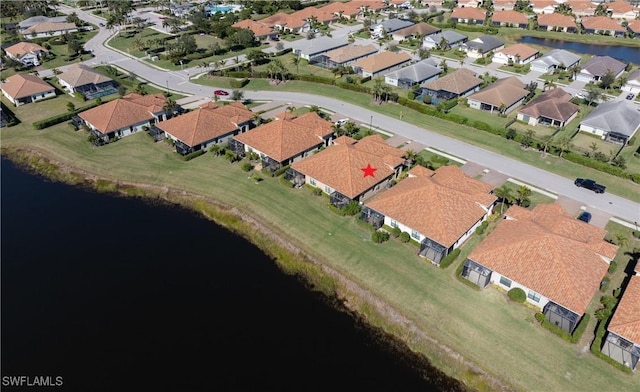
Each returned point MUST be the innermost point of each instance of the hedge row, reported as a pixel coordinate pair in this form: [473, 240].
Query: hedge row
[448, 259]
[238, 83]
[597, 344]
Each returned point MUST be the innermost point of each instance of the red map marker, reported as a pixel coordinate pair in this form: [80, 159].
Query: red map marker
[369, 171]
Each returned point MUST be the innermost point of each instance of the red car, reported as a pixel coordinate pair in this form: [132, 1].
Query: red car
[220, 92]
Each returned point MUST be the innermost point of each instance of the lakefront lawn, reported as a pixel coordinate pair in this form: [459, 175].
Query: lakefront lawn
[484, 326]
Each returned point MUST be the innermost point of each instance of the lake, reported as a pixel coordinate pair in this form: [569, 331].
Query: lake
[117, 294]
[622, 53]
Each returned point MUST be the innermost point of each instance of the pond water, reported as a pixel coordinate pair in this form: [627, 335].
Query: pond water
[622, 53]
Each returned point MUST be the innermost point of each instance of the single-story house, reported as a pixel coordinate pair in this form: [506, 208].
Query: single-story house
[551, 108]
[615, 121]
[125, 116]
[260, 30]
[85, 80]
[468, 15]
[557, 22]
[25, 88]
[623, 10]
[481, 46]
[209, 125]
[543, 7]
[48, 29]
[344, 56]
[555, 59]
[310, 49]
[515, 54]
[379, 63]
[348, 10]
[633, 82]
[580, 8]
[389, 26]
[421, 72]
[557, 260]
[444, 39]
[510, 18]
[503, 5]
[350, 170]
[286, 22]
[440, 209]
[622, 342]
[634, 28]
[34, 20]
[318, 15]
[460, 83]
[27, 53]
[502, 97]
[594, 69]
[284, 141]
[602, 25]
[469, 3]
[418, 30]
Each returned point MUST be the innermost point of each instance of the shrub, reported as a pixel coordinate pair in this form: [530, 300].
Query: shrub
[450, 258]
[516, 294]
[448, 105]
[395, 232]
[579, 330]
[605, 283]
[636, 233]
[540, 317]
[352, 208]
[194, 154]
[256, 177]
[484, 224]
[404, 237]
[280, 171]
[317, 191]
[479, 230]
[612, 267]
[379, 237]
[238, 83]
[411, 95]
[246, 167]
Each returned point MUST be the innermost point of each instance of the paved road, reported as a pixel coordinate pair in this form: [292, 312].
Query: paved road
[178, 81]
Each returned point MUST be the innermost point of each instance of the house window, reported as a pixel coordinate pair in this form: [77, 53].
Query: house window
[415, 234]
[532, 295]
[394, 223]
[312, 181]
[327, 189]
[505, 282]
[250, 149]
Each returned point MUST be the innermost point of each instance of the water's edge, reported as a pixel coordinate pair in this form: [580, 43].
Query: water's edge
[386, 323]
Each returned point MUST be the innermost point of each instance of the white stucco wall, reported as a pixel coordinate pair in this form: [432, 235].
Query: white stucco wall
[495, 279]
[594, 131]
[632, 87]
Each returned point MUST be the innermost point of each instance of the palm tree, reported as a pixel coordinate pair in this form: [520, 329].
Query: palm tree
[546, 140]
[410, 155]
[564, 144]
[296, 61]
[377, 90]
[505, 195]
[169, 106]
[237, 95]
[523, 192]
[621, 240]
[593, 147]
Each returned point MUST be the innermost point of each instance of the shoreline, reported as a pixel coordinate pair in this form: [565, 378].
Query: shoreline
[383, 320]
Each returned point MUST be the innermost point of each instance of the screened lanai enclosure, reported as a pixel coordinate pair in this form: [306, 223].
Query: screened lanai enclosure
[237, 147]
[270, 163]
[561, 317]
[432, 250]
[157, 134]
[372, 217]
[295, 177]
[339, 200]
[476, 273]
[621, 350]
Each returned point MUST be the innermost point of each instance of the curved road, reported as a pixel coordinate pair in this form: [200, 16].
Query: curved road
[627, 210]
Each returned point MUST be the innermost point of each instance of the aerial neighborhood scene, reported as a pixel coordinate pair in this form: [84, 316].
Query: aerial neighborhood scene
[474, 166]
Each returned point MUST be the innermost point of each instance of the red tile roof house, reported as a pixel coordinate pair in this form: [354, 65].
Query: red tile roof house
[468, 15]
[260, 31]
[516, 54]
[557, 260]
[207, 126]
[24, 88]
[580, 8]
[381, 62]
[557, 22]
[622, 342]
[623, 10]
[551, 108]
[123, 117]
[347, 10]
[27, 53]
[284, 141]
[440, 209]
[634, 28]
[338, 169]
[510, 19]
[503, 5]
[602, 25]
[543, 6]
[285, 22]
[503, 96]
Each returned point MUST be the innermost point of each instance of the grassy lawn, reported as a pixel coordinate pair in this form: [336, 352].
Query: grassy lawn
[572, 127]
[523, 70]
[124, 41]
[583, 141]
[539, 130]
[437, 159]
[632, 155]
[535, 198]
[482, 325]
[618, 186]
[480, 115]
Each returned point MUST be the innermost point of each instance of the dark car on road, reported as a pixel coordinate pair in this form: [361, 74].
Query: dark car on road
[585, 216]
[589, 184]
[629, 96]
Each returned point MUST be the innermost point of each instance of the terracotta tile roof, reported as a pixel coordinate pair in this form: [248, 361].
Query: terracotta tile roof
[521, 50]
[284, 139]
[80, 75]
[434, 209]
[372, 4]
[510, 16]
[538, 4]
[283, 19]
[382, 61]
[542, 251]
[321, 15]
[24, 85]
[456, 82]
[469, 13]
[621, 7]
[556, 20]
[126, 111]
[236, 112]
[284, 116]
[348, 8]
[626, 319]
[344, 140]
[634, 26]
[418, 28]
[45, 27]
[601, 23]
[339, 166]
[258, 29]
[581, 6]
[420, 171]
[209, 105]
[499, 4]
[553, 104]
[21, 48]
[505, 91]
[350, 52]
[201, 125]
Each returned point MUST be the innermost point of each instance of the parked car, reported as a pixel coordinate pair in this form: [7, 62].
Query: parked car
[589, 184]
[581, 95]
[630, 96]
[220, 93]
[585, 216]
[342, 122]
[101, 24]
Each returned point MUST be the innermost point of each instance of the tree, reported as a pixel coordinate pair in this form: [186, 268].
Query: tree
[443, 44]
[593, 147]
[527, 139]
[295, 60]
[74, 46]
[546, 141]
[237, 95]
[523, 192]
[70, 106]
[607, 80]
[444, 66]
[423, 53]
[564, 144]
[504, 194]
[621, 240]
[593, 94]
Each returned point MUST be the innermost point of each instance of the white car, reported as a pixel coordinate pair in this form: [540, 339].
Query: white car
[342, 122]
[581, 95]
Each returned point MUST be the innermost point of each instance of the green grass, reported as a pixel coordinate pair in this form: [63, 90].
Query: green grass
[482, 326]
[535, 198]
[583, 141]
[428, 156]
[124, 41]
[480, 115]
[539, 130]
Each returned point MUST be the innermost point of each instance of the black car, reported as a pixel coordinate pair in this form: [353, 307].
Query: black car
[585, 216]
[589, 184]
